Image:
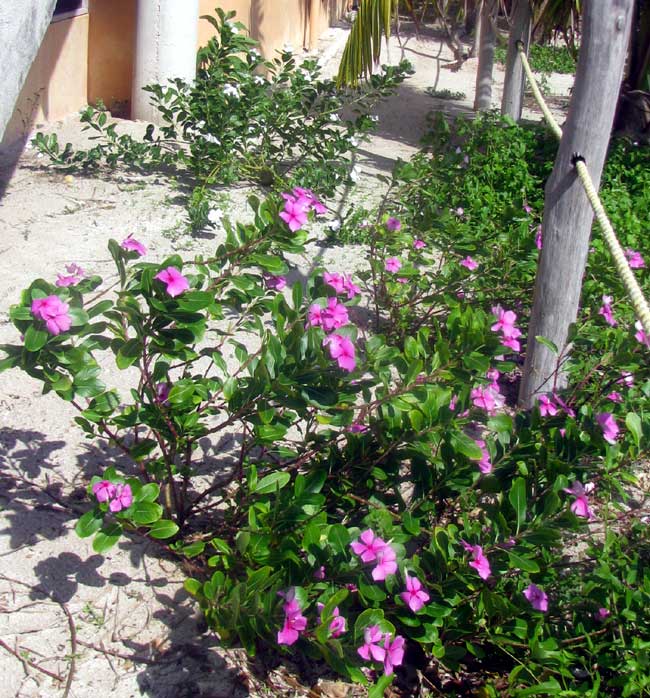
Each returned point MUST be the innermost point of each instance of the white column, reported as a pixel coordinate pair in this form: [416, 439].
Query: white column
[166, 42]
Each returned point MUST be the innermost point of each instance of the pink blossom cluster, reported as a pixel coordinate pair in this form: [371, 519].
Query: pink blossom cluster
[379, 647]
[338, 624]
[74, 276]
[580, 505]
[608, 424]
[174, 281]
[488, 397]
[606, 311]
[53, 312]
[469, 263]
[294, 621]
[297, 206]
[276, 283]
[393, 224]
[536, 597]
[118, 496]
[342, 284]
[479, 562]
[506, 325]
[484, 464]
[331, 317]
[130, 244]
[372, 548]
[634, 259]
[640, 334]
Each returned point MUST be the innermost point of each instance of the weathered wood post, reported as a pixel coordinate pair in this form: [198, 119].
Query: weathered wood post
[515, 80]
[487, 44]
[567, 213]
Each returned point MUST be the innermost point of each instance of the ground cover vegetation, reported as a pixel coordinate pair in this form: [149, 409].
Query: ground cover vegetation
[243, 119]
[385, 506]
[544, 58]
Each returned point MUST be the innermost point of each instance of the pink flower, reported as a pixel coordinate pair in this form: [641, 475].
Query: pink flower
[341, 349]
[469, 263]
[335, 315]
[275, 282]
[615, 396]
[122, 498]
[460, 211]
[176, 283]
[357, 428]
[606, 311]
[336, 281]
[295, 211]
[393, 264]
[626, 378]
[415, 597]
[104, 490]
[316, 206]
[493, 375]
[634, 259]
[527, 208]
[294, 621]
[54, 313]
[132, 245]
[546, 406]
[162, 392]
[372, 636]
[640, 334]
[419, 244]
[386, 563]
[580, 506]
[484, 465]
[609, 426]
[505, 322]
[351, 288]
[314, 315]
[538, 237]
[536, 597]
[570, 412]
[338, 625]
[487, 398]
[394, 653]
[320, 572]
[479, 562]
[401, 280]
[602, 613]
[64, 281]
[367, 546]
[393, 224]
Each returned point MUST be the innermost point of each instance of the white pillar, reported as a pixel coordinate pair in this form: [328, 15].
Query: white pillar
[166, 43]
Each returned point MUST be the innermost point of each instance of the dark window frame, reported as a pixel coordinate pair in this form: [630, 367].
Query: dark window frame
[65, 9]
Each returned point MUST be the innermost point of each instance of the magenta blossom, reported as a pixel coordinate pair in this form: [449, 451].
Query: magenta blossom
[273, 282]
[356, 428]
[602, 614]
[393, 264]
[386, 563]
[419, 244]
[487, 398]
[614, 396]
[394, 653]
[338, 625]
[295, 211]
[479, 562]
[294, 621]
[367, 546]
[415, 597]
[336, 281]
[634, 259]
[316, 206]
[580, 506]
[320, 572]
[505, 322]
[640, 334]
[393, 224]
[538, 237]
[54, 313]
[335, 315]
[484, 464]
[546, 406]
[350, 287]
[130, 244]
[122, 498]
[560, 402]
[606, 311]
[626, 378]
[371, 649]
[469, 263]
[536, 597]
[74, 276]
[608, 424]
[104, 490]
[341, 349]
[162, 392]
[176, 283]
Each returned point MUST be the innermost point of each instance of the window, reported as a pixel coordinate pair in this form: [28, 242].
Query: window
[69, 8]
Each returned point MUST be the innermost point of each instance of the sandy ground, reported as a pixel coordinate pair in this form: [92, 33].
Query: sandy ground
[73, 622]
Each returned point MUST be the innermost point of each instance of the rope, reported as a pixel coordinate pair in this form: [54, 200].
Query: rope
[632, 287]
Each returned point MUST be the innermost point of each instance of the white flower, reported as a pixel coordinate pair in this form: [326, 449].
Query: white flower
[255, 52]
[354, 142]
[458, 150]
[334, 225]
[355, 173]
[259, 80]
[230, 91]
[210, 138]
[335, 117]
[374, 117]
[287, 48]
[200, 125]
[232, 27]
[306, 74]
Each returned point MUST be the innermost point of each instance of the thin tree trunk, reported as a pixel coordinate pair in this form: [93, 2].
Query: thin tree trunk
[488, 41]
[478, 12]
[567, 213]
[515, 80]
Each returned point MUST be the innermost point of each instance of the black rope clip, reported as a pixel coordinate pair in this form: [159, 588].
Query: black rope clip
[577, 157]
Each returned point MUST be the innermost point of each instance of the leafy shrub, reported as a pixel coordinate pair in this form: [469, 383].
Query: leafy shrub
[386, 502]
[544, 58]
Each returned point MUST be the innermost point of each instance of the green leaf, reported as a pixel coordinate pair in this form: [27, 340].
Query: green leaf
[35, 339]
[148, 493]
[143, 513]
[339, 538]
[517, 497]
[106, 538]
[272, 482]
[89, 523]
[522, 563]
[378, 689]
[464, 444]
[633, 423]
[547, 343]
[163, 529]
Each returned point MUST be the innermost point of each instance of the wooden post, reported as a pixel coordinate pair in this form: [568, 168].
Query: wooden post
[487, 44]
[567, 212]
[515, 80]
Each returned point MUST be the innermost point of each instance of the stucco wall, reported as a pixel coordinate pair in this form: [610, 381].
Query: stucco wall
[56, 83]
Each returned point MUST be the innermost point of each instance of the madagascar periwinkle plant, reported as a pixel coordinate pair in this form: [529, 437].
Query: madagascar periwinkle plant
[386, 504]
[244, 118]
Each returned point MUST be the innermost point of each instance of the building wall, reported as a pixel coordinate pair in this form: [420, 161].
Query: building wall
[56, 84]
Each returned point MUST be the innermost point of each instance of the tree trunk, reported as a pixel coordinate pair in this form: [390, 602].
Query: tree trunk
[478, 11]
[488, 40]
[567, 213]
[515, 80]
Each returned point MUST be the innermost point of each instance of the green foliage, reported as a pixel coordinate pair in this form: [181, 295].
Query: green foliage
[400, 445]
[544, 58]
[243, 118]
